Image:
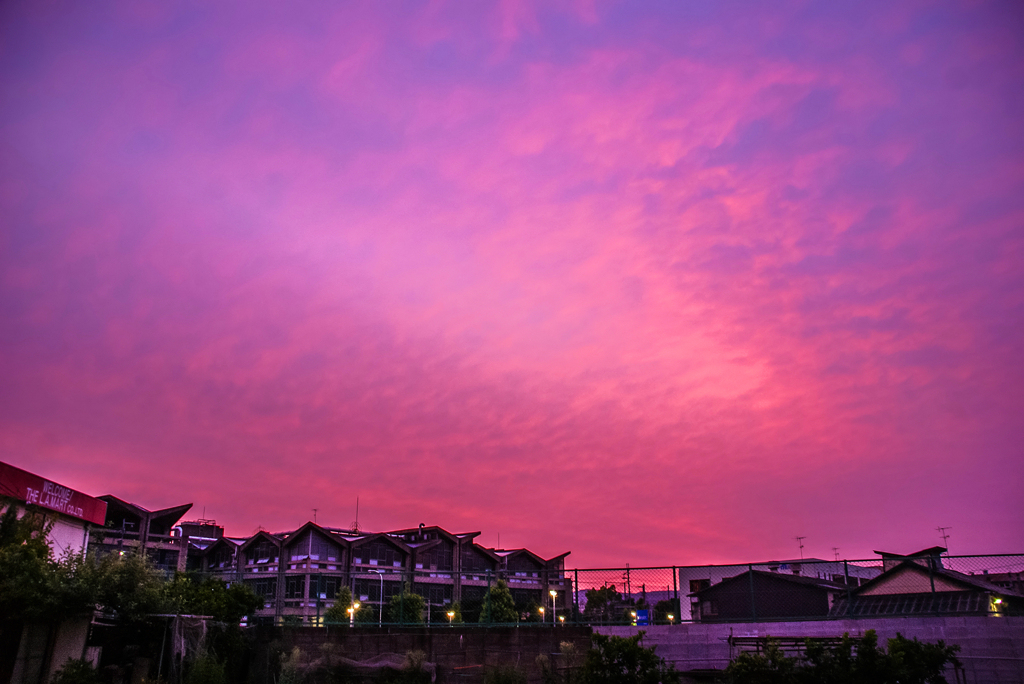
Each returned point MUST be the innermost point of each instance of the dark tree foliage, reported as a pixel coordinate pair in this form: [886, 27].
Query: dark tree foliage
[498, 605]
[405, 608]
[852, 661]
[189, 594]
[618, 660]
[338, 613]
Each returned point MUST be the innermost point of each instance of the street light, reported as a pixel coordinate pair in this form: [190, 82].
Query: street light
[554, 611]
[671, 617]
[541, 609]
[451, 616]
[352, 614]
[380, 623]
[561, 619]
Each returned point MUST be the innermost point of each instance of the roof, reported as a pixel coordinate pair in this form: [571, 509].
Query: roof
[815, 582]
[923, 553]
[968, 582]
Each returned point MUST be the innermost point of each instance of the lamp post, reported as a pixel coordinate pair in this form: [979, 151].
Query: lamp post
[352, 614]
[380, 622]
[451, 616]
[554, 611]
[541, 610]
[671, 619]
[561, 619]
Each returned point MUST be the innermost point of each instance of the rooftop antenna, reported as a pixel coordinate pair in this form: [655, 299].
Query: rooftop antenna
[355, 525]
[945, 537]
[800, 541]
[314, 515]
[835, 550]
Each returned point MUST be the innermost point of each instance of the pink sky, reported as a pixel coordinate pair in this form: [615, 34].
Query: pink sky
[667, 283]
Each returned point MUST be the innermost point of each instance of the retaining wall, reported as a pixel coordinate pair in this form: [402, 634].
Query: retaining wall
[992, 648]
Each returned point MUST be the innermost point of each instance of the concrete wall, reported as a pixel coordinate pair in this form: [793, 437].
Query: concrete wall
[992, 649]
[461, 653]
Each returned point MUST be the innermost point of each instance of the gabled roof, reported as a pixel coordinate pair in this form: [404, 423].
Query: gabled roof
[262, 534]
[293, 537]
[930, 552]
[381, 536]
[485, 551]
[231, 544]
[171, 515]
[965, 582]
[814, 582]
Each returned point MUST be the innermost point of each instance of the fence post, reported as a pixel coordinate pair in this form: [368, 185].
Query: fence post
[576, 596]
[753, 608]
[849, 594]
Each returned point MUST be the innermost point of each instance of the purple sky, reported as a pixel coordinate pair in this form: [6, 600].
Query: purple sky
[652, 283]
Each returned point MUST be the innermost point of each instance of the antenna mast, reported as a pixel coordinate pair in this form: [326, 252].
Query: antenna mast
[355, 525]
[800, 541]
[945, 537]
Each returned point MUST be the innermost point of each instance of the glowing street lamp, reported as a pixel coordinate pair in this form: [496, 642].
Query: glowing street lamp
[633, 613]
[671, 619]
[541, 610]
[554, 610]
[561, 619]
[451, 616]
[352, 614]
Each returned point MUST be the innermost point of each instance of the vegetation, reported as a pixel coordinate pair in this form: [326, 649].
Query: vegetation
[405, 608]
[338, 613]
[849, 662]
[498, 605]
[618, 660]
[76, 672]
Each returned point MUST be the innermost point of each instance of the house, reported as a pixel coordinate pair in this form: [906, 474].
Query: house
[695, 578]
[930, 556]
[764, 595]
[917, 586]
[130, 528]
[299, 573]
[72, 514]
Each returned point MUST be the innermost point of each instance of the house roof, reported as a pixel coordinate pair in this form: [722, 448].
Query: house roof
[968, 582]
[923, 553]
[783, 577]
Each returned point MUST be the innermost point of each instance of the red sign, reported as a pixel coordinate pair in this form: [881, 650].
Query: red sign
[24, 486]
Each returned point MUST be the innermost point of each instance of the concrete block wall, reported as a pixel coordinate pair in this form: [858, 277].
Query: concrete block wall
[992, 648]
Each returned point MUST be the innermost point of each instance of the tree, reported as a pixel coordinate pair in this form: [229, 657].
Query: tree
[600, 603]
[406, 608]
[618, 660]
[26, 565]
[338, 613]
[188, 594]
[498, 605]
[130, 586]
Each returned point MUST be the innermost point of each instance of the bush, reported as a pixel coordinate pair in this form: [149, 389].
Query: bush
[617, 660]
[76, 672]
[907, 661]
[504, 674]
[206, 670]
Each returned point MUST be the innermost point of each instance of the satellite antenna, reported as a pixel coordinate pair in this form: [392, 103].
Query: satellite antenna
[800, 541]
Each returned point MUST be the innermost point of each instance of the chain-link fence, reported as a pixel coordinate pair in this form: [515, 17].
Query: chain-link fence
[811, 589]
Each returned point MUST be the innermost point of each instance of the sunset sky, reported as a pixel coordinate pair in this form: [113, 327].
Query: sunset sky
[654, 283]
